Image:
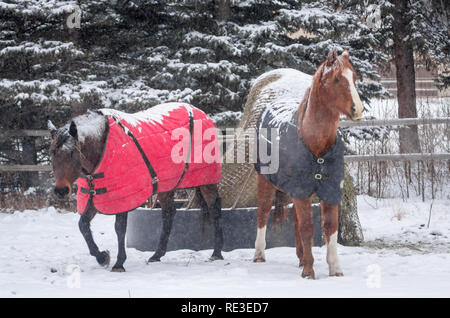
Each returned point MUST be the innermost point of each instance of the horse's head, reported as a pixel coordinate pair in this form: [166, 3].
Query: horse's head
[66, 157]
[337, 85]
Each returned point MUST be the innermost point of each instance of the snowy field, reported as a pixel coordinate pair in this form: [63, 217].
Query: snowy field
[400, 258]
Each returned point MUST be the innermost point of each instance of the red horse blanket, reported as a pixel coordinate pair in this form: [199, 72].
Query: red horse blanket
[168, 146]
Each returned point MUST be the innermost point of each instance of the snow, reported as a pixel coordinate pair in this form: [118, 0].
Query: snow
[46, 47]
[427, 107]
[376, 140]
[55, 92]
[90, 124]
[254, 31]
[30, 191]
[225, 117]
[224, 42]
[152, 115]
[34, 7]
[286, 93]
[38, 247]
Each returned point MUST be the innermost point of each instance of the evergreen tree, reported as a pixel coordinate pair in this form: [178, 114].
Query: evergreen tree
[414, 31]
[34, 60]
[59, 58]
[217, 54]
[135, 54]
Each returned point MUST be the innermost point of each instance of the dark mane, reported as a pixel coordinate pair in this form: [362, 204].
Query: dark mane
[62, 135]
[86, 129]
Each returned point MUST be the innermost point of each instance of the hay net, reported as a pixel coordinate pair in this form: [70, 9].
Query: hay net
[238, 187]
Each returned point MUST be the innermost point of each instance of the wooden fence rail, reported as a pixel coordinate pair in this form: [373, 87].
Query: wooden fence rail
[347, 159]
[25, 168]
[398, 157]
[25, 133]
[395, 122]
[230, 138]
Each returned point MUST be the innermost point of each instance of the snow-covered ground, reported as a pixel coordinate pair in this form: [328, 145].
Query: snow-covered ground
[39, 252]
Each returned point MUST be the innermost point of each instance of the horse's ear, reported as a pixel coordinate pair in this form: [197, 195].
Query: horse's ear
[73, 130]
[332, 56]
[345, 54]
[52, 128]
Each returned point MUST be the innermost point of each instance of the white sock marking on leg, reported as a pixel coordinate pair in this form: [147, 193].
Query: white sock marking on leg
[332, 257]
[260, 243]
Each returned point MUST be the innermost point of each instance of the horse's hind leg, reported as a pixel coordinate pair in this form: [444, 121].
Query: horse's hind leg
[330, 228]
[121, 229]
[265, 197]
[168, 212]
[303, 209]
[298, 237]
[85, 229]
[210, 195]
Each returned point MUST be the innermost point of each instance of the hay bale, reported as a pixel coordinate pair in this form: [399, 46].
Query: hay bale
[239, 180]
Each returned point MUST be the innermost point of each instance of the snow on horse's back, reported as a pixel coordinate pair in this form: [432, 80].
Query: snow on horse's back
[283, 88]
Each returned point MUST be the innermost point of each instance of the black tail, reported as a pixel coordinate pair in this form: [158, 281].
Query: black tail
[281, 211]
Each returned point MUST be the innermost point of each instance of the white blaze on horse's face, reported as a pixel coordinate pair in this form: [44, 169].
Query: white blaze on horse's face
[357, 108]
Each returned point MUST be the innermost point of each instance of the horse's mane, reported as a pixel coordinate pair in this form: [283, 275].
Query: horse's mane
[303, 105]
[62, 135]
[89, 125]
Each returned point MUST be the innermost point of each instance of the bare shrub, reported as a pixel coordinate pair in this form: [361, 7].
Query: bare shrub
[428, 179]
[21, 201]
[399, 212]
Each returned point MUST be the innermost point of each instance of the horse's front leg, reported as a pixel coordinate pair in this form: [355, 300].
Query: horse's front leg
[303, 209]
[168, 212]
[85, 229]
[121, 229]
[330, 228]
[265, 198]
[298, 237]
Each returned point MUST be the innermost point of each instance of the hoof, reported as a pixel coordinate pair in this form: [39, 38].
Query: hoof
[259, 257]
[216, 257]
[103, 259]
[156, 257]
[153, 259]
[339, 274]
[118, 269]
[308, 274]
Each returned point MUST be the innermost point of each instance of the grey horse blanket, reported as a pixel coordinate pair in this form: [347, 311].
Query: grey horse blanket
[299, 172]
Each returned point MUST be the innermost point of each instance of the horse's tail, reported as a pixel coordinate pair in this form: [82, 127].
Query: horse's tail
[281, 211]
[204, 208]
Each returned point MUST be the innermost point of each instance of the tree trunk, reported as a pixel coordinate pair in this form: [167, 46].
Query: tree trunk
[406, 83]
[29, 157]
[350, 231]
[222, 10]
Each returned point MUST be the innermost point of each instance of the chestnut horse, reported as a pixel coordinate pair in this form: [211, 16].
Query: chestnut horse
[76, 150]
[330, 93]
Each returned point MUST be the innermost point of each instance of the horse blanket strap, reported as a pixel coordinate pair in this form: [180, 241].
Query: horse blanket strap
[163, 148]
[93, 176]
[186, 165]
[144, 156]
[90, 181]
[298, 172]
[94, 191]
